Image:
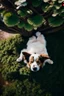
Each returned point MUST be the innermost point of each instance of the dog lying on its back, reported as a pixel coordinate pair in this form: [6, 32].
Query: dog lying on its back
[35, 55]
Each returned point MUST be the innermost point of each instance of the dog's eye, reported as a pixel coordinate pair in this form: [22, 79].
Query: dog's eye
[31, 61]
[38, 62]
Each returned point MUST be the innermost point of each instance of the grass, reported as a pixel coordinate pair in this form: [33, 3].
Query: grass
[51, 77]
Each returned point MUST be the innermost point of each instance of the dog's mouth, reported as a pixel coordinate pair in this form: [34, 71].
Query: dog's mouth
[35, 69]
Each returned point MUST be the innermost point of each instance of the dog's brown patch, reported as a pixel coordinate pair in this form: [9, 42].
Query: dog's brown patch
[39, 62]
[44, 55]
[31, 60]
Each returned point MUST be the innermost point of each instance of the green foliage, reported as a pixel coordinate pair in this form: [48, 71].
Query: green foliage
[61, 12]
[24, 71]
[9, 52]
[46, 7]
[36, 3]
[10, 19]
[1, 10]
[8, 56]
[22, 12]
[24, 88]
[21, 24]
[55, 21]
[28, 27]
[35, 12]
[9, 91]
[36, 21]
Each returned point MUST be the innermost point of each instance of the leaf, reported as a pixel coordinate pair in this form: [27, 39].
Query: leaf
[36, 20]
[36, 3]
[22, 12]
[28, 27]
[21, 24]
[46, 7]
[55, 21]
[10, 19]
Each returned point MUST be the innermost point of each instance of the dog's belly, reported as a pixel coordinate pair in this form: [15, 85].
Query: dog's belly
[36, 47]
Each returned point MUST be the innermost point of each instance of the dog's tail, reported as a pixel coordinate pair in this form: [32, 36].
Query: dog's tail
[41, 38]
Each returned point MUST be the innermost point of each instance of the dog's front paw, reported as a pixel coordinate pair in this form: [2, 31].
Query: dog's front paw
[49, 61]
[19, 59]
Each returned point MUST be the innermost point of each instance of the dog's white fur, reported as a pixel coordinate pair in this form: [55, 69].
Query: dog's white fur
[36, 44]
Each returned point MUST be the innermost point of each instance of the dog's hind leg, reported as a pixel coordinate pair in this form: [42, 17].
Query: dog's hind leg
[21, 55]
[41, 38]
[31, 40]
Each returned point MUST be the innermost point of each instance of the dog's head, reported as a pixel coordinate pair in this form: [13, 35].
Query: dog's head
[36, 61]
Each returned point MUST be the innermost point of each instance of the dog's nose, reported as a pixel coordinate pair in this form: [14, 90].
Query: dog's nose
[35, 69]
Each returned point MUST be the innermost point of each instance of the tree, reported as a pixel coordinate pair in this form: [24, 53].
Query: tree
[30, 15]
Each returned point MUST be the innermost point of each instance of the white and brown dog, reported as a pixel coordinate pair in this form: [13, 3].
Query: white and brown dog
[35, 55]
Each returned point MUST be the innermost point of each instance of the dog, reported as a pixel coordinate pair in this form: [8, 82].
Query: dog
[35, 55]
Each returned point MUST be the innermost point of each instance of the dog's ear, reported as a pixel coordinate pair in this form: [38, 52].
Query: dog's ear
[26, 56]
[43, 57]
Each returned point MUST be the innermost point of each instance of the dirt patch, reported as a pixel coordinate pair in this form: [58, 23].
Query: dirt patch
[5, 35]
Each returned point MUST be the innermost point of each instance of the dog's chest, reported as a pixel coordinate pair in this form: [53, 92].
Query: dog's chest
[36, 47]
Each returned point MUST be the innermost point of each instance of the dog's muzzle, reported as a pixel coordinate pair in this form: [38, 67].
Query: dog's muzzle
[34, 67]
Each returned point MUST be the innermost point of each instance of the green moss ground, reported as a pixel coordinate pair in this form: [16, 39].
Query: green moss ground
[50, 79]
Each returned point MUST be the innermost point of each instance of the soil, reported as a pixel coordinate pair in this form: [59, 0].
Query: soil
[5, 35]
